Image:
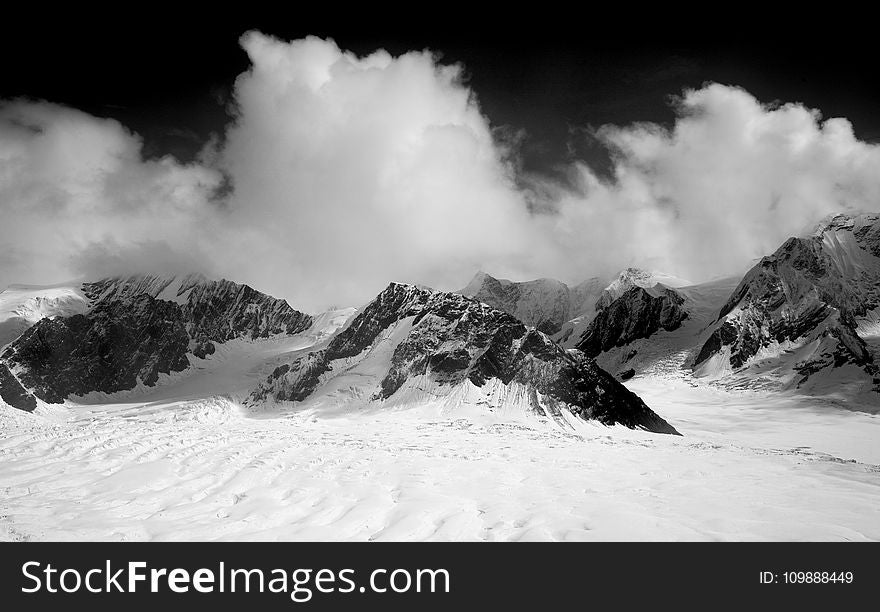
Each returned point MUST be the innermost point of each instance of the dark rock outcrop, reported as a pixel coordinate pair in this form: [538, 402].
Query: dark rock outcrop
[627, 374]
[638, 313]
[223, 310]
[12, 393]
[107, 350]
[214, 310]
[137, 328]
[452, 339]
[811, 289]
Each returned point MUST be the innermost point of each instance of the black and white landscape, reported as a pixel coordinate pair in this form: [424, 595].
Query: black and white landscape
[361, 307]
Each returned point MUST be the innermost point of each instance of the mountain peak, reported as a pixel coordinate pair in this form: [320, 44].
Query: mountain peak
[844, 221]
[410, 343]
[134, 328]
[544, 303]
[637, 277]
[805, 304]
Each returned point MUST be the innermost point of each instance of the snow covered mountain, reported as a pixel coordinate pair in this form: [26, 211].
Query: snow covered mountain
[546, 304]
[414, 346]
[636, 277]
[636, 313]
[123, 331]
[573, 316]
[213, 310]
[807, 315]
[23, 305]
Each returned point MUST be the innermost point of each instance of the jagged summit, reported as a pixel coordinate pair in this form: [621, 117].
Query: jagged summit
[412, 345]
[21, 306]
[636, 277]
[170, 288]
[127, 330]
[843, 221]
[810, 307]
[637, 313]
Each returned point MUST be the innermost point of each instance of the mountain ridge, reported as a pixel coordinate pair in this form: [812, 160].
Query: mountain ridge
[447, 340]
[133, 329]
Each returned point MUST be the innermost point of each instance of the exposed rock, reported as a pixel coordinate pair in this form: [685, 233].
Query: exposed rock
[13, 393]
[215, 311]
[811, 290]
[637, 313]
[453, 340]
[109, 349]
[635, 277]
[138, 327]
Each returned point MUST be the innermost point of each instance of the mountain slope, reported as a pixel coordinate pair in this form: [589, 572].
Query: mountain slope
[637, 313]
[416, 343]
[546, 304]
[134, 329]
[23, 305]
[631, 278]
[796, 316]
[108, 350]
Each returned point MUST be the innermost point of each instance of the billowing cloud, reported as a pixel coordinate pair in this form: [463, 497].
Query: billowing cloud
[73, 186]
[727, 184]
[348, 172]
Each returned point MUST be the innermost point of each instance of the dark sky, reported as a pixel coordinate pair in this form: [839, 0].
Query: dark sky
[167, 74]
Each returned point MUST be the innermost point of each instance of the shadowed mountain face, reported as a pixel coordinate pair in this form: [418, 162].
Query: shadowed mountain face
[213, 310]
[815, 297]
[593, 316]
[439, 341]
[135, 329]
[637, 313]
[13, 393]
[107, 350]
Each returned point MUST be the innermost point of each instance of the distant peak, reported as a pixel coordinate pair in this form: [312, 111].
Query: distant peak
[647, 278]
[844, 221]
[635, 273]
[478, 282]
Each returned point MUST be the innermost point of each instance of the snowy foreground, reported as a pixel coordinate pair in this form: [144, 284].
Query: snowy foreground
[186, 461]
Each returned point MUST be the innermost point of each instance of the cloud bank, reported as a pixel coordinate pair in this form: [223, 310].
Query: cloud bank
[348, 172]
[77, 198]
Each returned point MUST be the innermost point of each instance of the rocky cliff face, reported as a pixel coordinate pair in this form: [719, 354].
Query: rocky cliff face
[635, 314]
[12, 393]
[135, 329]
[441, 341]
[214, 310]
[808, 298]
[107, 350]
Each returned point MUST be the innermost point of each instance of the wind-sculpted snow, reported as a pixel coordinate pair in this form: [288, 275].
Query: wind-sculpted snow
[806, 299]
[446, 340]
[134, 329]
[637, 313]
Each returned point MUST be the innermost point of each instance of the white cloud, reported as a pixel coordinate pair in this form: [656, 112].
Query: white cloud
[727, 184]
[72, 185]
[351, 172]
